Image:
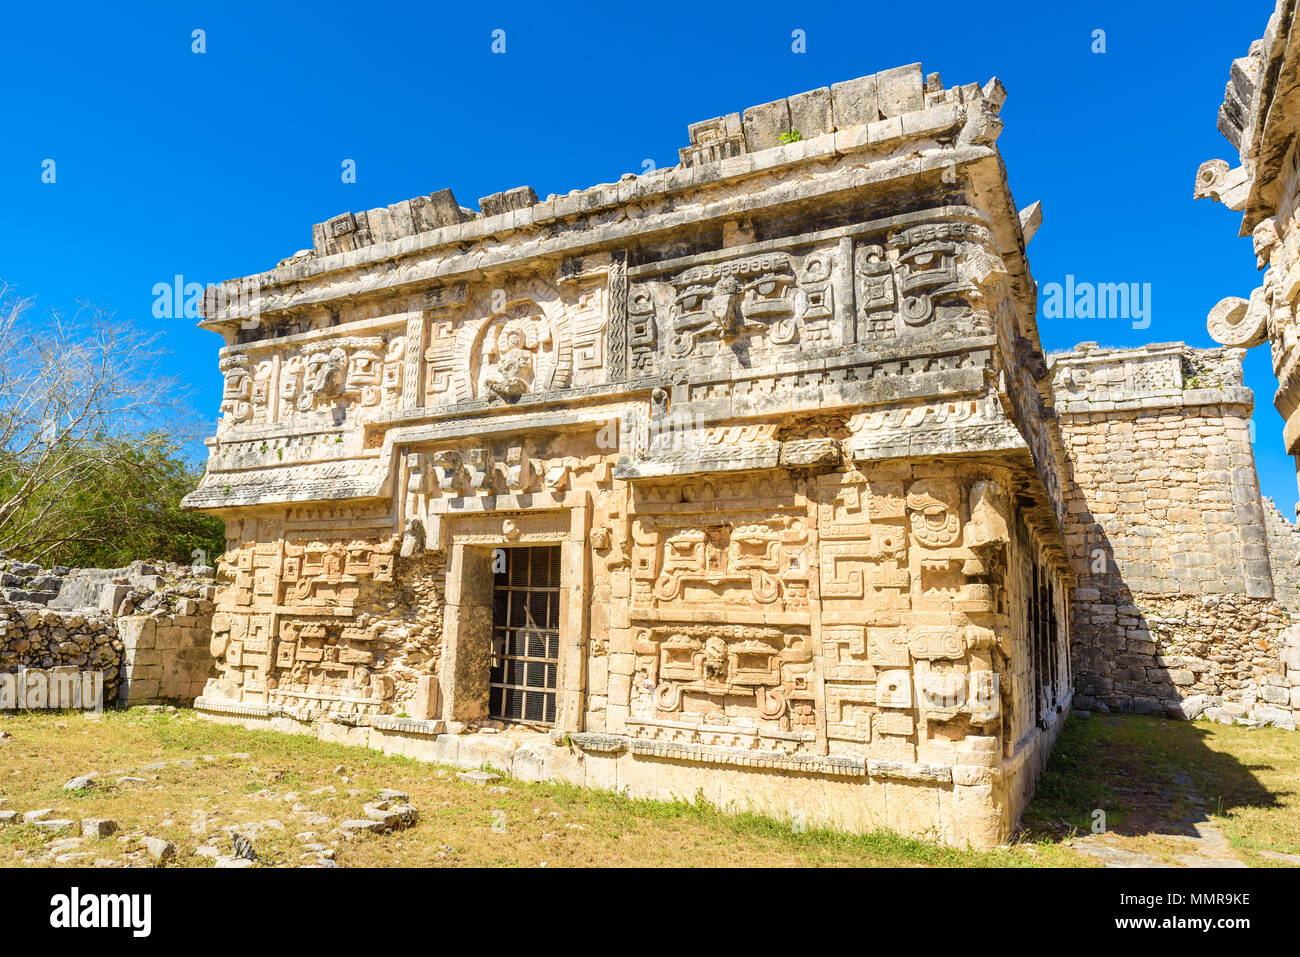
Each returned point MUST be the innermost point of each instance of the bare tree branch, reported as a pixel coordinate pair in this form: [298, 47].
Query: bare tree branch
[79, 397]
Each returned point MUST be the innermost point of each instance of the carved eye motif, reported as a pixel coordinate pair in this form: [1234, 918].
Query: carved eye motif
[692, 299]
[767, 289]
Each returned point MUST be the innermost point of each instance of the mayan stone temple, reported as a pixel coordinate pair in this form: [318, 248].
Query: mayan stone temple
[746, 478]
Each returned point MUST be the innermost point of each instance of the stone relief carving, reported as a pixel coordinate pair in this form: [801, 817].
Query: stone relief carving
[921, 274]
[531, 335]
[760, 562]
[358, 375]
[724, 684]
[236, 391]
[758, 301]
[285, 631]
[934, 511]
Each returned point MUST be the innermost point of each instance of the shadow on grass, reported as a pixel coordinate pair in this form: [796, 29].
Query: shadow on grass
[1148, 775]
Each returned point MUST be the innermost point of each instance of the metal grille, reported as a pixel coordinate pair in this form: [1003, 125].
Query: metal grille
[526, 636]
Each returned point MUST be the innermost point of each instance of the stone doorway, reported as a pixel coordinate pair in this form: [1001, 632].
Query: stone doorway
[524, 668]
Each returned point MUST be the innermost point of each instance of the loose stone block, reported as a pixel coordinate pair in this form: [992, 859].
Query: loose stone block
[854, 102]
[764, 125]
[900, 90]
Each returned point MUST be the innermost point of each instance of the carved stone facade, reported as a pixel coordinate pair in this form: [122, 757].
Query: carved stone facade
[773, 427]
[1260, 117]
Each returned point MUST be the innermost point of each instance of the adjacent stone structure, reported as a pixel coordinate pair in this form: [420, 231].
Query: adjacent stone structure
[1284, 555]
[741, 476]
[1173, 611]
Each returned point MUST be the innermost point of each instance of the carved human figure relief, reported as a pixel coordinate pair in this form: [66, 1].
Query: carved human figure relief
[323, 378]
[518, 352]
[237, 389]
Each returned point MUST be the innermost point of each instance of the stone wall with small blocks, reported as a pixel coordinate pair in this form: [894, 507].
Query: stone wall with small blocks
[1174, 610]
[146, 627]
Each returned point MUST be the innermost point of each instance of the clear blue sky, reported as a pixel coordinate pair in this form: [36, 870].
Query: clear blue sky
[216, 165]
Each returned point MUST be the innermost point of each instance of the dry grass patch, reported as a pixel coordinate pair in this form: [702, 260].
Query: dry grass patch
[288, 779]
[1155, 778]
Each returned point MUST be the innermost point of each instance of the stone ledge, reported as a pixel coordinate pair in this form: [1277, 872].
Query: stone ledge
[388, 722]
[220, 706]
[706, 754]
[1227, 395]
[938, 773]
[599, 743]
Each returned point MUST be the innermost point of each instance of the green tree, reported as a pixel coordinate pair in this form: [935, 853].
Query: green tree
[125, 508]
[92, 440]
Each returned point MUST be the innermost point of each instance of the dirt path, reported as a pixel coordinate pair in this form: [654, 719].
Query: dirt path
[1207, 847]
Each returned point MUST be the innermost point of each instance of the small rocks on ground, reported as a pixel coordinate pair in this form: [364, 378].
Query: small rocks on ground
[96, 827]
[159, 849]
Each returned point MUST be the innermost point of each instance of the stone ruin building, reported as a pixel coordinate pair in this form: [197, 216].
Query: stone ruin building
[1181, 584]
[746, 478]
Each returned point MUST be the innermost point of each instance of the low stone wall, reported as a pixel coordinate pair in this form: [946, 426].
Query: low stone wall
[1222, 656]
[166, 657]
[32, 637]
[147, 627]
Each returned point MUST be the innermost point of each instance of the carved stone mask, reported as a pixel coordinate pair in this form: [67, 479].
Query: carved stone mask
[933, 507]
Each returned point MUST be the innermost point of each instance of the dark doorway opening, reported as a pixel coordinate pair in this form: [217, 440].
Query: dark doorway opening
[525, 634]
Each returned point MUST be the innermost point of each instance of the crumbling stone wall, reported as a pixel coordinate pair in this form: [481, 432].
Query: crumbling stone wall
[34, 637]
[147, 626]
[1283, 552]
[1174, 610]
[28, 582]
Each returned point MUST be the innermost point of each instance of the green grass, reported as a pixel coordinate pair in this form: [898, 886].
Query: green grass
[1150, 777]
[1154, 777]
[556, 824]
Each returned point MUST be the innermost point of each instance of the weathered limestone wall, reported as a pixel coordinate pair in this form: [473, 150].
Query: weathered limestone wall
[380, 642]
[146, 627]
[165, 655]
[1174, 610]
[1283, 553]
